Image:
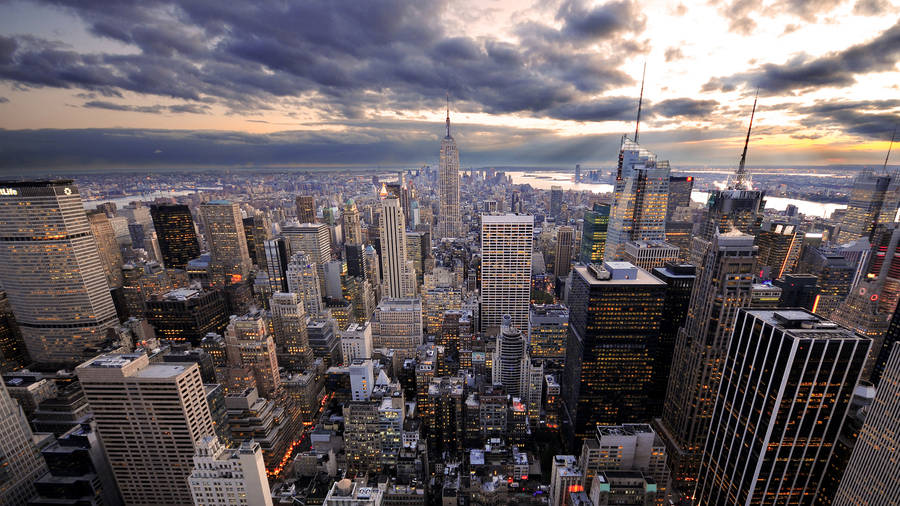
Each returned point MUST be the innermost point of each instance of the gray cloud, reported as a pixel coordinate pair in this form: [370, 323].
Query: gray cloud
[3, 100]
[673, 54]
[337, 56]
[803, 73]
[685, 107]
[876, 118]
[150, 109]
[871, 7]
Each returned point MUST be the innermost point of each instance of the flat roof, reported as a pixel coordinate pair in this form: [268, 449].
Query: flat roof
[507, 218]
[642, 278]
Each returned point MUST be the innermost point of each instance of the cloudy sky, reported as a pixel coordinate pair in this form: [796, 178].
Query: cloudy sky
[176, 83]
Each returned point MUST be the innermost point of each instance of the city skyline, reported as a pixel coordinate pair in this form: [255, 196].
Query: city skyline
[180, 85]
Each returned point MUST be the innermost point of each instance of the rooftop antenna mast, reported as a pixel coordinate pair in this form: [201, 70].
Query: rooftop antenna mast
[741, 176]
[637, 125]
[448, 114]
[893, 136]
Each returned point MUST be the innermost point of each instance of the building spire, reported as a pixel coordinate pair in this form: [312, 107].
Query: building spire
[637, 125]
[448, 114]
[741, 177]
[886, 158]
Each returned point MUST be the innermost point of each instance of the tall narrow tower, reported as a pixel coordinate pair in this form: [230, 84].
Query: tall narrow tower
[396, 272]
[448, 185]
[506, 246]
[227, 242]
[723, 286]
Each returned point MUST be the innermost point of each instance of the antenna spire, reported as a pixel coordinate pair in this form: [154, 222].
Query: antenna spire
[448, 114]
[637, 125]
[740, 177]
[893, 136]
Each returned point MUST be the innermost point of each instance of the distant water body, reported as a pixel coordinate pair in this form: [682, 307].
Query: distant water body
[545, 180]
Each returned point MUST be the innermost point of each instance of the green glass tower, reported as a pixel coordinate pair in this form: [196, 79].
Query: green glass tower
[593, 235]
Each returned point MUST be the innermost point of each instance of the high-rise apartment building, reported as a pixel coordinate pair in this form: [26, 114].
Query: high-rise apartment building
[312, 239]
[303, 279]
[448, 224]
[351, 224]
[176, 234]
[397, 271]
[289, 326]
[306, 209]
[397, 325]
[150, 418]
[723, 285]
[229, 256]
[866, 201]
[21, 461]
[224, 475]
[110, 254]
[615, 313]
[356, 342]
[873, 474]
[249, 348]
[509, 359]
[565, 244]
[641, 193]
[506, 247]
[593, 234]
[786, 383]
[51, 270]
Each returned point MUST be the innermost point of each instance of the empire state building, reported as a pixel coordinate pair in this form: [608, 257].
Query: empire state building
[448, 186]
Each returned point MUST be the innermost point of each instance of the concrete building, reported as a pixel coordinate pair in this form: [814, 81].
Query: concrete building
[649, 255]
[506, 247]
[448, 224]
[356, 342]
[397, 325]
[229, 475]
[150, 417]
[22, 463]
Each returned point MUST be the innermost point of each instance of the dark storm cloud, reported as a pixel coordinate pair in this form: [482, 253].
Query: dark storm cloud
[685, 107]
[802, 73]
[150, 109]
[876, 118]
[335, 56]
[382, 143]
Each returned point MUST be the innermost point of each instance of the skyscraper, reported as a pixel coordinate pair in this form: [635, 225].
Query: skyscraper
[723, 285]
[866, 201]
[509, 357]
[398, 280]
[565, 243]
[680, 188]
[593, 234]
[448, 186]
[150, 418]
[314, 239]
[873, 475]
[175, 232]
[291, 337]
[641, 192]
[397, 325]
[110, 254]
[21, 461]
[556, 198]
[679, 280]
[779, 248]
[306, 209]
[250, 348]
[352, 228]
[786, 383]
[615, 313]
[506, 246]
[276, 263]
[303, 279]
[51, 270]
[230, 258]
